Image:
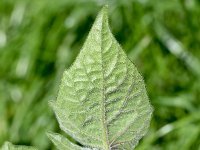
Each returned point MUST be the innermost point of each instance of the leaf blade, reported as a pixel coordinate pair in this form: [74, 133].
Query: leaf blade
[63, 143]
[102, 101]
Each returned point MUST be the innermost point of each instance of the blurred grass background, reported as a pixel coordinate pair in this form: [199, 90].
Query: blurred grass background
[39, 39]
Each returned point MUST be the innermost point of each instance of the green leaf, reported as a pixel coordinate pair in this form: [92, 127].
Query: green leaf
[63, 143]
[9, 146]
[102, 102]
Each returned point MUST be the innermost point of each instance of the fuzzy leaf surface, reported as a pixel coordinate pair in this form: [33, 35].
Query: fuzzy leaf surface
[63, 143]
[102, 102]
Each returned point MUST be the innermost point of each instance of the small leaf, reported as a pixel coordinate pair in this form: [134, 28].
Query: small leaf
[63, 143]
[102, 102]
[9, 146]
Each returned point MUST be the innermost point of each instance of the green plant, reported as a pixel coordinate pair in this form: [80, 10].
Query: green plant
[102, 102]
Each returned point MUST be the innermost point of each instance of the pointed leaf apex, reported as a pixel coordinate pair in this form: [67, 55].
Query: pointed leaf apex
[105, 8]
[104, 12]
[103, 15]
[49, 134]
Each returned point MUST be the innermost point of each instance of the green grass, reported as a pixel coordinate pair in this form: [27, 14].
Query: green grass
[39, 39]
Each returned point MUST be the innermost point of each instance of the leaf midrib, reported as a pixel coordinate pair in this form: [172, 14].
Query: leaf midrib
[106, 144]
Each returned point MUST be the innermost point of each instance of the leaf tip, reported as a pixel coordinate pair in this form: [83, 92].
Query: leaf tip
[103, 14]
[104, 11]
[50, 134]
[105, 8]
